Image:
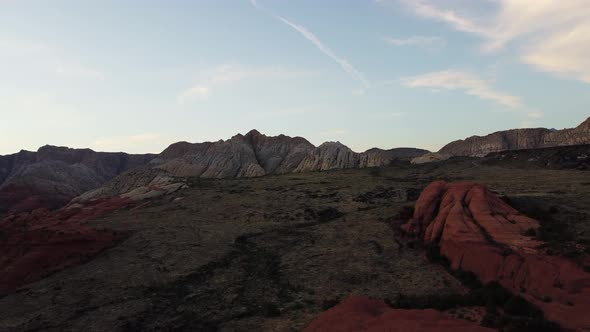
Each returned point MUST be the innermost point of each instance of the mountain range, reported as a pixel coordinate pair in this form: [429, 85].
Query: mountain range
[53, 176]
[518, 139]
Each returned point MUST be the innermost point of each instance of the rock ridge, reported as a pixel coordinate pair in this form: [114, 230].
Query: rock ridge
[518, 139]
[480, 233]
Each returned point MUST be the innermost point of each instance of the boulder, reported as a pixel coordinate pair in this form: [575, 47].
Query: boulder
[361, 314]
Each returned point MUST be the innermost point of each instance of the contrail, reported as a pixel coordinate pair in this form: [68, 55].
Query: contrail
[345, 64]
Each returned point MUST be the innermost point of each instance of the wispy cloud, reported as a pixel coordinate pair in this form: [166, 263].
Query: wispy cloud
[417, 41]
[11, 47]
[552, 36]
[285, 112]
[345, 64]
[466, 82]
[391, 115]
[232, 73]
[78, 71]
[425, 9]
[334, 133]
[194, 93]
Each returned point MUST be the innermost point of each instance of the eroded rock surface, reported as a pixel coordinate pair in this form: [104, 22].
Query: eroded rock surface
[517, 139]
[42, 242]
[479, 232]
[52, 176]
[363, 314]
[255, 154]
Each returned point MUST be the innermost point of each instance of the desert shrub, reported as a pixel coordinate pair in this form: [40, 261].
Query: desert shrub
[413, 194]
[375, 171]
[434, 256]
[489, 320]
[517, 306]
[530, 232]
[405, 213]
[270, 310]
[434, 301]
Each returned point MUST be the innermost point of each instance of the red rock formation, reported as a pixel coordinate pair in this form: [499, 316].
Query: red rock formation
[479, 232]
[362, 314]
[34, 245]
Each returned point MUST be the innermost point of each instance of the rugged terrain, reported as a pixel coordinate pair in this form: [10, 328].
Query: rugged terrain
[255, 154]
[517, 139]
[272, 253]
[52, 176]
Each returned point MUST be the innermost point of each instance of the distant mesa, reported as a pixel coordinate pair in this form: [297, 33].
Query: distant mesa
[518, 139]
[510, 140]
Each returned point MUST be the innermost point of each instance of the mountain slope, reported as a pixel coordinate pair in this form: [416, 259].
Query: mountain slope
[244, 156]
[518, 139]
[255, 154]
[52, 176]
[247, 155]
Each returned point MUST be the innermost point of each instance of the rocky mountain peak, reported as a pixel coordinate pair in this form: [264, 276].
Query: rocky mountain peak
[333, 145]
[585, 126]
[254, 133]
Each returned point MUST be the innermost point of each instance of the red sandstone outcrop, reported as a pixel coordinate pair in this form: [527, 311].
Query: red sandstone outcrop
[34, 245]
[360, 314]
[479, 232]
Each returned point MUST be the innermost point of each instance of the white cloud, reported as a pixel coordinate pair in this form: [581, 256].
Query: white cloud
[425, 9]
[345, 64]
[466, 82]
[231, 73]
[551, 35]
[535, 115]
[564, 54]
[197, 92]
[417, 41]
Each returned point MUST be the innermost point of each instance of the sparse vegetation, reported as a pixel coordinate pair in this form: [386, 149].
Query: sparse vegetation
[270, 252]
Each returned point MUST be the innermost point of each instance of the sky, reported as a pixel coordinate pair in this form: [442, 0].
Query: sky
[138, 75]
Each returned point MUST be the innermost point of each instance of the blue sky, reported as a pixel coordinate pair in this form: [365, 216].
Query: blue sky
[137, 76]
